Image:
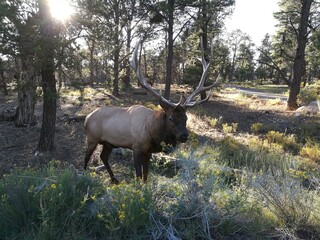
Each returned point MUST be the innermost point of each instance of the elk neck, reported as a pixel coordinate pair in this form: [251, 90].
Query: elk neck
[158, 131]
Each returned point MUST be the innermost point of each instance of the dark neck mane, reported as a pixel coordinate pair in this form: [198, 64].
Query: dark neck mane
[159, 132]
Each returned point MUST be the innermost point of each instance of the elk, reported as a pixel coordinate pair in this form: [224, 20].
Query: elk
[139, 128]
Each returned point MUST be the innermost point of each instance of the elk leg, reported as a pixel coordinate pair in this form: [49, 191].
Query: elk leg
[145, 166]
[106, 151]
[137, 159]
[90, 149]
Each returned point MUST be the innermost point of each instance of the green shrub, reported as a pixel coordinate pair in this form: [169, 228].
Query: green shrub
[207, 197]
[232, 128]
[310, 93]
[309, 131]
[288, 142]
[311, 151]
[293, 205]
[213, 122]
[48, 204]
[133, 203]
[257, 128]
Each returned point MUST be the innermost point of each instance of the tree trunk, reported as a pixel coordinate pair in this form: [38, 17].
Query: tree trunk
[47, 134]
[169, 62]
[60, 79]
[3, 82]
[91, 64]
[24, 115]
[299, 65]
[204, 40]
[127, 77]
[46, 141]
[115, 90]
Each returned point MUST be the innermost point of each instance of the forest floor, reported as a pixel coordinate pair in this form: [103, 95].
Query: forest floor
[18, 145]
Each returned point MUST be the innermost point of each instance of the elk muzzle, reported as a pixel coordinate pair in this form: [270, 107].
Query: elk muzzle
[183, 137]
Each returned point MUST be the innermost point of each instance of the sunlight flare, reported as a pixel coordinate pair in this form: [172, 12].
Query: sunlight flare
[61, 9]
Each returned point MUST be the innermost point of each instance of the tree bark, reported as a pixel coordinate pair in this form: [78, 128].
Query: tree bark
[46, 141]
[169, 61]
[299, 65]
[127, 77]
[24, 115]
[204, 39]
[91, 64]
[115, 90]
[26, 86]
[3, 82]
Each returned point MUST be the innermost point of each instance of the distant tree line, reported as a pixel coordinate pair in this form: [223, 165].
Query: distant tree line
[94, 47]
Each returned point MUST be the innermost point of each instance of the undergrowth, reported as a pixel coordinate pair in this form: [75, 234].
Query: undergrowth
[245, 192]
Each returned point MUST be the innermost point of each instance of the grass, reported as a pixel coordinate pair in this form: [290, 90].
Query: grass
[227, 191]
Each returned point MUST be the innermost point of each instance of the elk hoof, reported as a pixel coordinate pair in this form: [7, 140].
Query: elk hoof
[114, 180]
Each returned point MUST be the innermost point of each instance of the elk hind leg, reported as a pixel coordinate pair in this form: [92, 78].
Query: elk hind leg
[90, 149]
[106, 151]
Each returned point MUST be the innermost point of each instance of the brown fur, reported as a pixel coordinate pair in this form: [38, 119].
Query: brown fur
[138, 128]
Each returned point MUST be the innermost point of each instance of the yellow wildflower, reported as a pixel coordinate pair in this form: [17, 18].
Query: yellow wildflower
[121, 215]
[137, 191]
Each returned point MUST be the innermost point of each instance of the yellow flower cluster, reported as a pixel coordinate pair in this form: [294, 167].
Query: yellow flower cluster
[131, 202]
[122, 213]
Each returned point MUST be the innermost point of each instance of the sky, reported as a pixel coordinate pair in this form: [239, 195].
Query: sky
[254, 17]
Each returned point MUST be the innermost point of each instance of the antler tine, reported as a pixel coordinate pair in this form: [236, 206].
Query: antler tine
[201, 87]
[142, 79]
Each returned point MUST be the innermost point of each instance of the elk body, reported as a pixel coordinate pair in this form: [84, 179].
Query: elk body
[138, 128]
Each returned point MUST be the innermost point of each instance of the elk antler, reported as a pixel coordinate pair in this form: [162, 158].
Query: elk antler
[201, 87]
[183, 102]
[143, 81]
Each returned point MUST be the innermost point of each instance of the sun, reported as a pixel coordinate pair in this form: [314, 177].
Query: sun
[61, 9]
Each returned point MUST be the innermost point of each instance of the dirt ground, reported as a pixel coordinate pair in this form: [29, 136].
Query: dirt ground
[17, 145]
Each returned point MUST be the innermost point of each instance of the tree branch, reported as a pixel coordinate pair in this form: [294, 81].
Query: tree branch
[275, 66]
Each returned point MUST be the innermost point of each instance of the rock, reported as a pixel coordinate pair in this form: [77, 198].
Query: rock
[313, 108]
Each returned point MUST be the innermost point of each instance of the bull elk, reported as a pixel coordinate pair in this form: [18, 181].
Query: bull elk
[139, 128]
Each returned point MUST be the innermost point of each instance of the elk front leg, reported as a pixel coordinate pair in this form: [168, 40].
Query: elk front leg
[137, 160]
[145, 166]
[141, 164]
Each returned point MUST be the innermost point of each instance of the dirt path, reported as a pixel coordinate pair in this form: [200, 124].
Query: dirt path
[260, 94]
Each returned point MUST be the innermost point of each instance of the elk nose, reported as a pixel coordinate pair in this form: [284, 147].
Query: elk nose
[183, 137]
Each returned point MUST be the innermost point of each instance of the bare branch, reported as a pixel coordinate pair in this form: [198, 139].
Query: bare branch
[275, 66]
